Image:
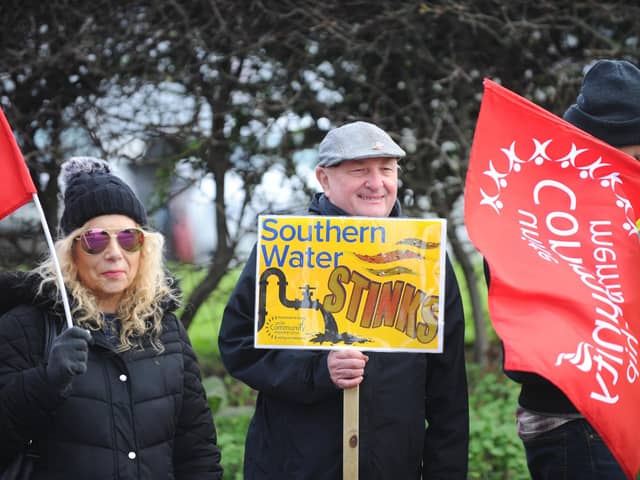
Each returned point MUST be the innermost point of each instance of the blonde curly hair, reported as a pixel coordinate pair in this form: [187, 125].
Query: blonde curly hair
[141, 310]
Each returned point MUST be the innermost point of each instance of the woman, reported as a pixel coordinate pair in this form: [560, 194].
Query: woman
[120, 395]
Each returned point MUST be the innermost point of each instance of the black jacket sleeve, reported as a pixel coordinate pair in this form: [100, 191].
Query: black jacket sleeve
[294, 375]
[196, 455]
[26, 397]
[446, 442]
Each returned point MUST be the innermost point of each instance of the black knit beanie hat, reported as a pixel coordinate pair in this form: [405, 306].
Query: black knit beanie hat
[608, 105]
[92, 190]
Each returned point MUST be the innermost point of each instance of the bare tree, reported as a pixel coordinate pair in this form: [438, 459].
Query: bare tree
[255, 83]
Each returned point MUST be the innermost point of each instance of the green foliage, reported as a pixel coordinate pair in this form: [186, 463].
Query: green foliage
[232, 422]
[495, 451]
[216, 393]
[204, 328]
[230, 400]
[232, 430]
[469, 331]
[239, 394]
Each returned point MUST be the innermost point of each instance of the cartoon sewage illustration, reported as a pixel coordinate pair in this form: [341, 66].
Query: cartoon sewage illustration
[330, 333]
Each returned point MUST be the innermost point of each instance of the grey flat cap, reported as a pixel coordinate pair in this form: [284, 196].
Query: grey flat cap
[354, 141]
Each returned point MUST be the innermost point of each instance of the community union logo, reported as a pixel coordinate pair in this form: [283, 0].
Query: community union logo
[539, 157]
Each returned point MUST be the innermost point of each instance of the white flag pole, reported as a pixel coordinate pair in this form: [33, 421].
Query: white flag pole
[52, 249]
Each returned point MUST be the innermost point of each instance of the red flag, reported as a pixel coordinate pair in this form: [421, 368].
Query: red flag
[16, 186]
[554, 212]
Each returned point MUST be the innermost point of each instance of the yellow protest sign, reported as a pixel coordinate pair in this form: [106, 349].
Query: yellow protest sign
[365, 283]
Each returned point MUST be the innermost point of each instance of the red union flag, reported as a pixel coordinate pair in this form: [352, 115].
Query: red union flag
[16, 186]
[554, 211]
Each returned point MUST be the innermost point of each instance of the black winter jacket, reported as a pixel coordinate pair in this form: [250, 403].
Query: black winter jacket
[132, 415]
[296, 431]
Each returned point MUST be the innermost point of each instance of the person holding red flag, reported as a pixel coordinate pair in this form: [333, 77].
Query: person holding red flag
[559, 442]
[118, 394]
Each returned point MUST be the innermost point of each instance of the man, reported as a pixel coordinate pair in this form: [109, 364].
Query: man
[558, 441]
[296, 431]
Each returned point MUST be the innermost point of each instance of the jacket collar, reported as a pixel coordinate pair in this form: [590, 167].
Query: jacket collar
[321, 205]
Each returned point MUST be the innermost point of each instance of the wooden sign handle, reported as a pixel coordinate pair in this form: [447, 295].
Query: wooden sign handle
[350, 432]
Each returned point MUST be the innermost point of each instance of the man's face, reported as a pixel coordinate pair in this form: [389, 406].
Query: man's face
[366, 187]
[633, 150]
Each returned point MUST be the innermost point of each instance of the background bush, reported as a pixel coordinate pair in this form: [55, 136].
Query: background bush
[495, 451]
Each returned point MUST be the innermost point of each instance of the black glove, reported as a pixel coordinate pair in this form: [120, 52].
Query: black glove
[68, 356]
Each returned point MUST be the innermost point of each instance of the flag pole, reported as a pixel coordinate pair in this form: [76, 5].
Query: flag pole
[56, 263]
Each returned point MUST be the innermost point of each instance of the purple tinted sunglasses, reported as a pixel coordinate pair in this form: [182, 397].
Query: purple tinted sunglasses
[96, 240]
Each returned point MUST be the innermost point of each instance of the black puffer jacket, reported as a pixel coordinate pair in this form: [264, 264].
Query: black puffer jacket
[133, 415]
[296, 432]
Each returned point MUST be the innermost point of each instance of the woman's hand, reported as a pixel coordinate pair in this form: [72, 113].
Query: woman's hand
[68, 356]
